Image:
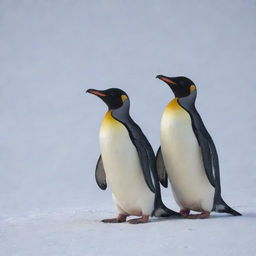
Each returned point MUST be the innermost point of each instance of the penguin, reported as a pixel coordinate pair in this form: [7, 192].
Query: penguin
[127, 163]
[188, 156]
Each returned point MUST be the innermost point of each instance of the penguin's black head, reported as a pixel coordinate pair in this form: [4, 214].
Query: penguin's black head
[180, 85]
[113, 97]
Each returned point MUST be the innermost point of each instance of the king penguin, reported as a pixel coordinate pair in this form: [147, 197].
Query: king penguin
[127, 162]
[187, 155]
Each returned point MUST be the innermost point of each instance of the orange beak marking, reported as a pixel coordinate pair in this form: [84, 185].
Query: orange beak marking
[167, 80]
[98, 93]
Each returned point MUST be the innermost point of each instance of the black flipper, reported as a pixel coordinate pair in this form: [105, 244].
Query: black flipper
[209, 153]
[146, 157]
[161, 171]
[100, 174]
[143, 147]
[145, 162]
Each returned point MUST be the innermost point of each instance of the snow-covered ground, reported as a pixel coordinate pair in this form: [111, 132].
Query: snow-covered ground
[79, 232]
[51, 52]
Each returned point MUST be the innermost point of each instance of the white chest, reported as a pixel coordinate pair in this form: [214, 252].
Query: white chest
[183, 160]
[123, 169]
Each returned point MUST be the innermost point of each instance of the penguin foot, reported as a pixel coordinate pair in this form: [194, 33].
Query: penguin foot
[140, 220]
[203, 215]
[120, 218]
[184, 212]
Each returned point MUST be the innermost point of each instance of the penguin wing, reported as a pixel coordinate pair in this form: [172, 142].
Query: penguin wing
[209, 153]
[139, 140]
[100, 174]
[145, 160]
[161, 171]
[211, 163]
[208, 149]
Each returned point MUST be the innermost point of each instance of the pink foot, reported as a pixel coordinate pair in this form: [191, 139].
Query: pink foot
[184, 212]
[140, 220]
[203, 215]
[120, 218]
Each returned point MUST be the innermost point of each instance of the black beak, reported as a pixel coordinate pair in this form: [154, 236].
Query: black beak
[89, 90]
[159, 76]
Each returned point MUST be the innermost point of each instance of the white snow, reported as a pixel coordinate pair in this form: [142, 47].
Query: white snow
[79, 232]
[51, 52]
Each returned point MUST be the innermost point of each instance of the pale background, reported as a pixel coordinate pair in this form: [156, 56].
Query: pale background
[52, 51]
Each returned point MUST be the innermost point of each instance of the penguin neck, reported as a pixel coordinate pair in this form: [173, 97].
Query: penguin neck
[109, 120]
[173, 103]
[122, 114]
[173, 106]
[185, 103]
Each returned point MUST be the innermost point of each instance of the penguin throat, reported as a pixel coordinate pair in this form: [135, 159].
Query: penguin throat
[174, 105]
[109, 119]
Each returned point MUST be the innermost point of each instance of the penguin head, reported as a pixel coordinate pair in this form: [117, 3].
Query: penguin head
[180, 85]
[113, 97]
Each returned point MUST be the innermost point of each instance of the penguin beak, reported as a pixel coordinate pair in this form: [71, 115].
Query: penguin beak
[166, 79]
[96, 92]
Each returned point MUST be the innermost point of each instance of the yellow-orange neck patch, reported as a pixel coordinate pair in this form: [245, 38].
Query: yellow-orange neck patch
[192, 88]
[173, 105]
[110, 120]
[123, 97]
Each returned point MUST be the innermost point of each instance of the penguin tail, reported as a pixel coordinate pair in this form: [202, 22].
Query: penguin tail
[162, 211]
[221, 206]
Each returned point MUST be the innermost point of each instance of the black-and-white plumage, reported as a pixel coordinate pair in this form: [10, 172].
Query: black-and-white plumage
[127, 162]
[187, 154]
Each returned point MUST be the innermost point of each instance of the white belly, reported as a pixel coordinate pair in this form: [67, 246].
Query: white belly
[123, 170]
[183, 161]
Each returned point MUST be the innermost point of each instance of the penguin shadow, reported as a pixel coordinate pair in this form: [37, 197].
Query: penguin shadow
[161, 219]
[212, 216]
[221, 216]
[244, 215]
[247, 215]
